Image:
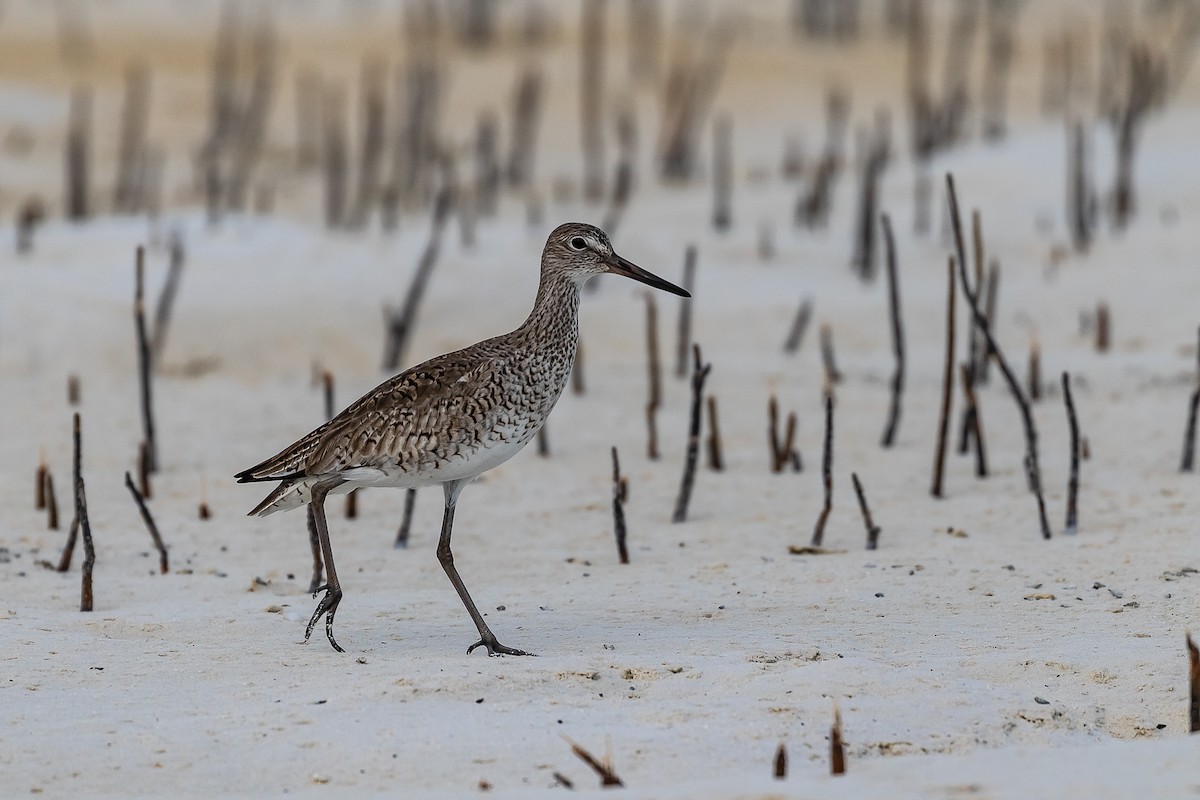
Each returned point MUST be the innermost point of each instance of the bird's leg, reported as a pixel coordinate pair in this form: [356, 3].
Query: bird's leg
[487, 639]
[318, 571]
[332, 588]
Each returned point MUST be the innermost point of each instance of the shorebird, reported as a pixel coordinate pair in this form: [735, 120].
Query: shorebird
[451, 419]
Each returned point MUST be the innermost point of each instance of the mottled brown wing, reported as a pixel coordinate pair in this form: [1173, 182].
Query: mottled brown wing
[424, 414]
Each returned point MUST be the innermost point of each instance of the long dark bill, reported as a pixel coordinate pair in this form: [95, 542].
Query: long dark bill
[621, 266]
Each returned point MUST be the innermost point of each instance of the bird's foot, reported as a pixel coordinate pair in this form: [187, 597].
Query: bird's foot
[327, 606]
[494, 648]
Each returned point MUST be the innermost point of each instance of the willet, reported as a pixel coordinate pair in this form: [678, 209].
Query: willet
[451, 419]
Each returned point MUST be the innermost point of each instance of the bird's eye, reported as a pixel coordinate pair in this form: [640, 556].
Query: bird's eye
[578, 243]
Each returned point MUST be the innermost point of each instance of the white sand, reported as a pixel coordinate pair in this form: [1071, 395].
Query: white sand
[968, 657]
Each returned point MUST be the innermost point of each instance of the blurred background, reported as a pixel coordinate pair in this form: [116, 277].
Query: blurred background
[352, 114]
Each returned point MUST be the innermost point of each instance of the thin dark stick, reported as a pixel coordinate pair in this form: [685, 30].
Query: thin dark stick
[1103, 338]
[333, 152]
[166, 298]
[352, 504]
[779, 765]
[150, 526]
[64, 560]
[773, 433]
[543, 442]
[1189, 436]
[401, 322]
[715, 460]
[722, 172]
[787, 452]
[578, 386]
[203, 511]
[51, 503]
[700, 372]
[897, 383]
[872, 528]
[527, 106]
[993, 290]
[144, 469]
[973, 423]
[39, 487]
[29, 217]
[683, 338]
[826, 472]
[131, 156]
[837, 749]
[607, 776]
[1193, 686]
[1033, 472]
[318, 561]
[410, 502]
[78, 155]
[89, 550]
[977, 248]
[654, 367]
[327, 386]
[832, 375]
[144, 363]
[618, 501]
[799, 326]
[1073, 481]
[939, 461]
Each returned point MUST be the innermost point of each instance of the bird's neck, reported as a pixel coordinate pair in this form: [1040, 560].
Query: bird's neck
[554, 321]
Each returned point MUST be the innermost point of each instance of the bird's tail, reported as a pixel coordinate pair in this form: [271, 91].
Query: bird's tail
[286, 496]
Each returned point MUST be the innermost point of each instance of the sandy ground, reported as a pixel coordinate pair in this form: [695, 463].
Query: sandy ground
[967, 656]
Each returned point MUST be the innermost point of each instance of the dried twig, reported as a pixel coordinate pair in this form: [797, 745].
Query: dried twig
[654, 368]
[897, 383]
[620, 489]
[410, 502]
[683, 338]
[826, 471]
[1103, 337]
[872, 529]
[402, 321]
[166, 298]
[39, 486]
[78, 155]
[1073, 481]
[1193, 686]
[939, 461]
[973, 422]
[1033, 471]
[779, 765]
[1189, 436]
[89, 550]
[715, 460]
[150, 526]
[722, 217]
[799, 326]
[700, 372]
[832, 374]
[51, 503]
[145, 371]
[608, 777]
[837, 748]
[143, 464]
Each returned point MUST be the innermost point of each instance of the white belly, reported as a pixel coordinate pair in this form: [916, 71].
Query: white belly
[456, 468]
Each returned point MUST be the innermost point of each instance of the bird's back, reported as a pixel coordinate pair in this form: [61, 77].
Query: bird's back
[451, 417]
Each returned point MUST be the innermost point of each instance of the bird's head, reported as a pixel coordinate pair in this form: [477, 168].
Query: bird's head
[580, 251]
